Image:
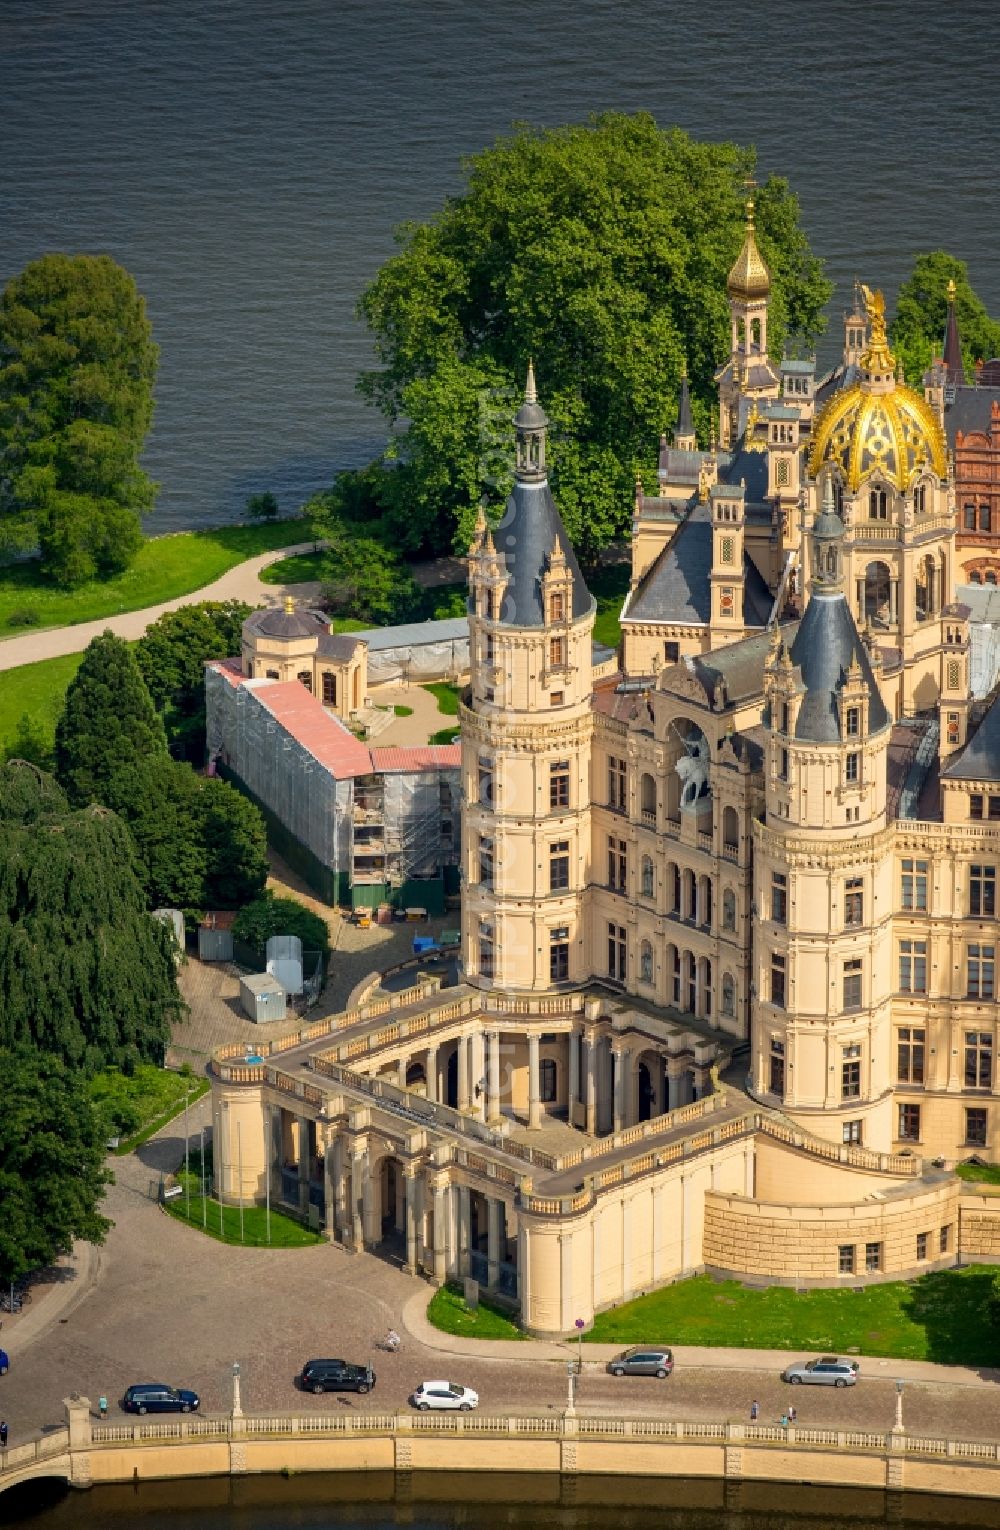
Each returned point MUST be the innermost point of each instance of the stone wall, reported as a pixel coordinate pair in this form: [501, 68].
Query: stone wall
[979, 1224]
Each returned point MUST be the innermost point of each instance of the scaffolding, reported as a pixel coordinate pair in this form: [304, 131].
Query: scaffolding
[405, 827]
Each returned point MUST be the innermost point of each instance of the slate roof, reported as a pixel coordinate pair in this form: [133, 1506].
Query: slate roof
[751, 467]
[824, 645]
[969, 411]
[275, 621]
[524, 537]
[802, 368]
[739, 665]
[840, 377]
[339, 645]
[413, 634]
[677, 466]
[980, 759]
[675, 588]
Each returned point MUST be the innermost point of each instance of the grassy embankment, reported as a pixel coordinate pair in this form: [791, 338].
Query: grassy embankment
[134, 1107]
[251, 1226]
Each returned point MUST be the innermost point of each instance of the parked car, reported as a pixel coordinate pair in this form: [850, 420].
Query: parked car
[157, 1397]
[336, 1376]
[4, 1362]
[829, 1371]
[444, 1394]
[642, 1360]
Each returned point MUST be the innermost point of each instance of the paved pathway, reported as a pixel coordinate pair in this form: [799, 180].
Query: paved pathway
[170, 1304]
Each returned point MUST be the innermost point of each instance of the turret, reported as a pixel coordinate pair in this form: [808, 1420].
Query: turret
[684, 436]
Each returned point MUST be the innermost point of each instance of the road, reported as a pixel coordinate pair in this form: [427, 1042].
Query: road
[171, 1305]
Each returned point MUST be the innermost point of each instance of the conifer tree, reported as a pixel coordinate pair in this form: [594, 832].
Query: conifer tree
[107, 723]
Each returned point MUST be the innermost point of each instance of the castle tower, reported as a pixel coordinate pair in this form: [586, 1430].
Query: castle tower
[526, 731]
[748, 372]
[855, 332]
[726, 578]
[823, 871]
[953, 365]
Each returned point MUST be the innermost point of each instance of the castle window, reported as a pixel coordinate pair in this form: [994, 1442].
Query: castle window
[304, 677]
[991, 576]
[557, 606]
[557, 652]
[982, 890]
[980, 968]
[845, 1259]
[547, 1080]
[647, 796]
[994, 807]
[779, 897]
[786, 714]
[486, 953]
[559, 955]
[728, 994]
[646, 962]
[616, 953]
[853, 725]
[617, 864]
[782, 475]
[782, 764]
[852, 983]
[729, 909]
[776, 1081]
[727, 549]
[852, 767]
[978, 1059]
[488, 605]
[969, 517]
[954, 674]
[559, 784]
[984, 518]
[559, 865]
[329, 689]
[873, 1258]
[647, 877]
[878, 505]
[923, 1241]
[976, 1122]
[909, 1123]
[854, 901]
[910, 1042]
[671, 652]
[617, 785]
[851, 1133]
[272, 674]
[486, 863]
[919, 499]
[976, 805]
[913, 966]
[944, 1239]
[486, 783]
[778, 981]
[556, 698]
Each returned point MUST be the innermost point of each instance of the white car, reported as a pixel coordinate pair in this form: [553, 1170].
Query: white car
[444, 1394]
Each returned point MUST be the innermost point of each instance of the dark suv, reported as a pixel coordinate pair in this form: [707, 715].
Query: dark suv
[642, 1360]
[155, 1397]
[336, 1376]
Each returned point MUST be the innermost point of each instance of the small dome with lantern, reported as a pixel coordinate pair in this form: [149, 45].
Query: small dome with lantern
[878, 423]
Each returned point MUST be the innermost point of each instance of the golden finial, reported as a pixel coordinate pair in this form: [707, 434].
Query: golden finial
[952, 289]
[749, 277]
[702, 484]
[289, 604]
[530, 396]
[877, 357]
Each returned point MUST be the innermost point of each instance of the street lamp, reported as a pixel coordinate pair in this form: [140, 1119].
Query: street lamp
[570, 1388]
[580, 1325]
[237, 1408]
[897, 1427]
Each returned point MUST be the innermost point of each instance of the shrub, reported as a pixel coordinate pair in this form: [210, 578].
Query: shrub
[24, 616]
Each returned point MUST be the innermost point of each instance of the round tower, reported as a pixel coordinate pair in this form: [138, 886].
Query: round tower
[823, 870]
[526, 731]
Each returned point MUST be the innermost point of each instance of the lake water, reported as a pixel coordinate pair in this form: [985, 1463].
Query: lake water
[377, 1501]
[248, 160]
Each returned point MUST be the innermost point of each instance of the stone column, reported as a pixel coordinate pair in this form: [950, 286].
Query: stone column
[573, 1088]
[932, 589]
[493, 1088]
[371, 1204]
[619, 1119]
[330, 1190]
[674, 1100]
[401, 1073]
[477, 1052]
[590, 1067]
[494, 1253]
[303, 1141]
[464, 1229]
[861, 602]
[410, 1189]
[463, 1072]
[659, 1082]
[432, 1073]
[441, 1232]
[893, 602]
[341, 1213]
[359, 1196]
[534, 1084]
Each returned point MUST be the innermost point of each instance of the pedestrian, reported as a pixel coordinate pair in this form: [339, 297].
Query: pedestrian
[792, 1415]
[3, 1434]
[784, 1421]
[102, 1404]
[754, 1411]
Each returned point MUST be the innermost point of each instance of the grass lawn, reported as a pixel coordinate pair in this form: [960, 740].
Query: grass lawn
[165, 568]
[609, 585]
[980, 1173]
[223, 1223]
[948, 1316]
[446, 695]
[445, 736]
[297, 570]
[136, 1106]
[448, 1312]
[35, 689]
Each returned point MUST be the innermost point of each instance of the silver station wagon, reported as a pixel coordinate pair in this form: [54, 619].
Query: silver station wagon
[642, 1360]
[829, 1372]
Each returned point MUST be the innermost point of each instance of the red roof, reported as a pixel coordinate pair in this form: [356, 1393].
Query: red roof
[306, 720]
[229, 669]
[425, 757]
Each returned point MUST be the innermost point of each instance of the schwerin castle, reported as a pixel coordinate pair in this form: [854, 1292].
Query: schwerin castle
[729, 930]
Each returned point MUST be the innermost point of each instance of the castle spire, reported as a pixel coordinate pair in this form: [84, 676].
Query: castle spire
[954, 369]
[684, 436]
[530, 423]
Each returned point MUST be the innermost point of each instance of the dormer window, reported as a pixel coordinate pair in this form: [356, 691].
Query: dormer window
[488, 606]
[878, 505]
[557, 606]
[852, 725]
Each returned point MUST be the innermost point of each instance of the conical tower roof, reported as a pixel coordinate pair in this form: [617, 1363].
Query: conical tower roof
[684, 426]
[952, 346]
[749, 277]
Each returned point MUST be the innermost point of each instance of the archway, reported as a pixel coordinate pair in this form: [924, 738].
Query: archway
[646, 1093]
[452, 1083]
[876, 594]
[392, 1200]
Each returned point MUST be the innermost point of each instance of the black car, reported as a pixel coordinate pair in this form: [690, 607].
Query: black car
[336, 1376]
[157, 1397]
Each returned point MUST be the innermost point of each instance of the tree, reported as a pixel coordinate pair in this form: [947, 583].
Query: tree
[367, 579]
[85, 972]
[268, 915]
[200, 844]
[262, 507]
[917, 331]
[601, 250]
[31, 742]
[52, 1174]
[172, 654]
[108, 721]
[77, 367]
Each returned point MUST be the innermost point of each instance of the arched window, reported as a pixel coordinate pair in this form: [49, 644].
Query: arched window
[974, 578]
[991, 576]
[647, 795]
[728, 994]
[547, 1080]
[647, 876]
[730, 829]
[645, 962]
[272, 674]
[920, 498]
[878, 505]
[729, 909]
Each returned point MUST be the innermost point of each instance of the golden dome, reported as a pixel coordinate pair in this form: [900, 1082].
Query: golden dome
[749, 277]
[878, 422]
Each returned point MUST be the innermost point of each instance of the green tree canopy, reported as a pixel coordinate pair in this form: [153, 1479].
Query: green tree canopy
[269, 915]
[601, 250]
[917, 331]
[77, 367]
[85, 972]
[172, 654]
[200, 844]
[52, 1174]
[108, 720]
